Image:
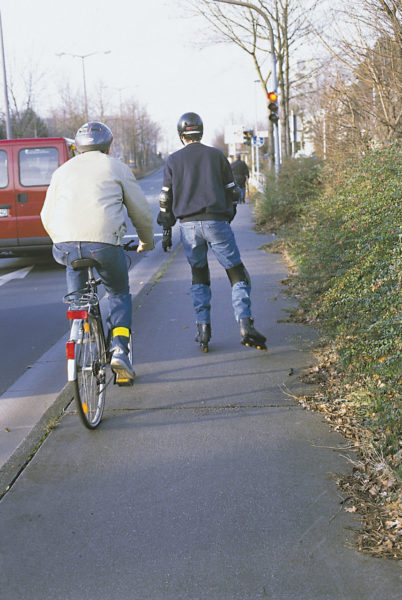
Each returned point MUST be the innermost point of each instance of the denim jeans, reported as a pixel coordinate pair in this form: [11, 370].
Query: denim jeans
[197, 237]
[113, 272]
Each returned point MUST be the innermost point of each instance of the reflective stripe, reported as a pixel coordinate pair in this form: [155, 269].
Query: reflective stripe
[229, 185]
[124, 331]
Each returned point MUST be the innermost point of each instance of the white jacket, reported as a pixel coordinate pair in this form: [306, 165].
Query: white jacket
[87, 200]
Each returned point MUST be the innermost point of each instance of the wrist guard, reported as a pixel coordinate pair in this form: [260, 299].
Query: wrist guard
[167, 239]
[166, 217]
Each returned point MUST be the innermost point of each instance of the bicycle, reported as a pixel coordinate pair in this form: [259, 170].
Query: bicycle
[87, 349]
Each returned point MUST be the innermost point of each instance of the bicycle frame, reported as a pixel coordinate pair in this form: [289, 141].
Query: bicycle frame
[87, 304]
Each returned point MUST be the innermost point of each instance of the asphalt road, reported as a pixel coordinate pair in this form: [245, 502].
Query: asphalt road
[32, 314]
[205, 481]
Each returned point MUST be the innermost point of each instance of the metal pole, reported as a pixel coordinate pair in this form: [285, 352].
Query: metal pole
[7, 108]
[257, 154]
[85, 87]
[324, 136]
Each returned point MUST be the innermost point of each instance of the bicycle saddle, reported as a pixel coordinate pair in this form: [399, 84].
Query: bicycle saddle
[84, 263]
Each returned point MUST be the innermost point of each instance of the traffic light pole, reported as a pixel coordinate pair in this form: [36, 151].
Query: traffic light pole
[274, 61]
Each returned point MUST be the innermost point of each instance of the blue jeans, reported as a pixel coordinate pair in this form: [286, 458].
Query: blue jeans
[197, 237]
[113, 271]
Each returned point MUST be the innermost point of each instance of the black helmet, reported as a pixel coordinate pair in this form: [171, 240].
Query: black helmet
[93, 136]
[189, 124]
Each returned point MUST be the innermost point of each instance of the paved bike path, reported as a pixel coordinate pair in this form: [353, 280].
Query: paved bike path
[205, 481]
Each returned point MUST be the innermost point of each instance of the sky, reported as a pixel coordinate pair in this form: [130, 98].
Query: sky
[157, 57]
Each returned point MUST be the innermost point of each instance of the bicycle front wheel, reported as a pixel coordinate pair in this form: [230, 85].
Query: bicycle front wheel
[90, 384]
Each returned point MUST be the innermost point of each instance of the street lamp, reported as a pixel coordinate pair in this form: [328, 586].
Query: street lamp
[83, 57]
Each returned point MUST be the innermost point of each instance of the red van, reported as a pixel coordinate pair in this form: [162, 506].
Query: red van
[26, 166]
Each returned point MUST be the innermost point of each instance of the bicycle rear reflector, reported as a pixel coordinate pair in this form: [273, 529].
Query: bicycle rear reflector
[77, 314]
[70, 350]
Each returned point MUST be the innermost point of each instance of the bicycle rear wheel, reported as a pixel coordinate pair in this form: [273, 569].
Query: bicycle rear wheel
[90, 384]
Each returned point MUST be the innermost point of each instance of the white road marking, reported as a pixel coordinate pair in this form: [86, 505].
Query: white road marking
[20, 274]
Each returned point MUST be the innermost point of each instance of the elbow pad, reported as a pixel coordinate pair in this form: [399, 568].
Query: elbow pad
[166, 217]
[165, 199]
[233, 192]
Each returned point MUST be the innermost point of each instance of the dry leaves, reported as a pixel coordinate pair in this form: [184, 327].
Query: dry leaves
[372, 490]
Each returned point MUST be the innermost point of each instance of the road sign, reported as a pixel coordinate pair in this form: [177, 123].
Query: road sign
[258, 141]
[234, 134]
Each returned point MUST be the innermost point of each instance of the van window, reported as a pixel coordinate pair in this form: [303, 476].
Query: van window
[36, 165]
[3, 169]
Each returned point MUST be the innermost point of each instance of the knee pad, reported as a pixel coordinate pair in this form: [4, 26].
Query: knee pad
[238, 273]
[200, 275]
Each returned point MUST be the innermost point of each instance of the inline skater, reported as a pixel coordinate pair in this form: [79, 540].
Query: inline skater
[199, 190]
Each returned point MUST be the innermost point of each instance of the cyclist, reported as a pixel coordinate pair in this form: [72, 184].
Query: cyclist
[199, 190]
[85, 216]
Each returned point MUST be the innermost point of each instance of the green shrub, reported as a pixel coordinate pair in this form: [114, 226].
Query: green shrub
[285, 196]
[346, 243]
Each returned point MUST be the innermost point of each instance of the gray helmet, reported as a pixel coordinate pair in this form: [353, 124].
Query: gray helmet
[93, 136]
[189, 124]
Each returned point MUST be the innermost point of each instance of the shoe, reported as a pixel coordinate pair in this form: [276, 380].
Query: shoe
[203, 335]
[251, 337]
[121, 366]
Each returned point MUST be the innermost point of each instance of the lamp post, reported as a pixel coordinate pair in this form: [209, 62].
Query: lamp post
[83, 57]
[7, 108]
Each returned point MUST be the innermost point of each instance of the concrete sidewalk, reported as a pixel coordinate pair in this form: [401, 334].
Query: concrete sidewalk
[205, 481]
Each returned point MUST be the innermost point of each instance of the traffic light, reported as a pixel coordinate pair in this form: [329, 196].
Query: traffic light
[247, 135]
[273, 107]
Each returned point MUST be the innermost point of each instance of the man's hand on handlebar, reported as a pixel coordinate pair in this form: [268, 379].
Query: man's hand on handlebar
[130, 246]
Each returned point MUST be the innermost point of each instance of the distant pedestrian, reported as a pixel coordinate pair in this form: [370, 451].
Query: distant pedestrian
[199, 190]
[241, 175]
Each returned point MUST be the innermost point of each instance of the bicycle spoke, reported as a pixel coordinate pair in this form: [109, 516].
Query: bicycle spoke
[90, 386]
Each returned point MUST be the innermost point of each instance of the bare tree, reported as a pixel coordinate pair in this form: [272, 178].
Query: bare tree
[68, 116]
[26, 122]
[261, 28]
[361, 100]
[135, 136]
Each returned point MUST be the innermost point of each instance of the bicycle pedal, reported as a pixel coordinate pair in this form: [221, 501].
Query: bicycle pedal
[125, 382]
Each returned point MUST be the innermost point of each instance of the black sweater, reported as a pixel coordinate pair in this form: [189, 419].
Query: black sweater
[198, 175]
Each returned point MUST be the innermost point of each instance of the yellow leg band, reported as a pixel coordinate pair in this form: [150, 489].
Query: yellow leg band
[123, 331]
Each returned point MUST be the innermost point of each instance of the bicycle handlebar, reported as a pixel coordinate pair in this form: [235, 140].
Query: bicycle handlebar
[130, 246]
